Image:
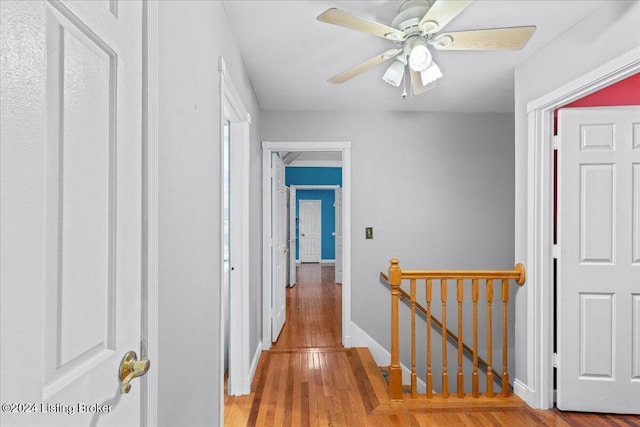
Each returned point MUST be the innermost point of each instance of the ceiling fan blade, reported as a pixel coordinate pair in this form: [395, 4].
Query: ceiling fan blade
[416, 83]
[441, 13]
[349, 74]
[349, 20]
[511, 38]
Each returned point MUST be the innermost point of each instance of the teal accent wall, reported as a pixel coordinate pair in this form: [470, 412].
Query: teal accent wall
[296, 175]
[328, 219]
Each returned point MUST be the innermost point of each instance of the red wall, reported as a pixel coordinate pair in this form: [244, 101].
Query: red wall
[624, 92]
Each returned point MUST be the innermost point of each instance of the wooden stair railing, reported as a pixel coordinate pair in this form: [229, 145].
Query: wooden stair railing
[395, 277]
[404, 296]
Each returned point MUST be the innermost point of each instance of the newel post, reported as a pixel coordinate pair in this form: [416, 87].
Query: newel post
[395, 371]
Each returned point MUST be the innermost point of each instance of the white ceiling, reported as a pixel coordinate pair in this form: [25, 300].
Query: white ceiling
[289, 55]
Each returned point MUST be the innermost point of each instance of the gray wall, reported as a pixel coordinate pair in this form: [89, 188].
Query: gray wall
[576, 52]
[193, 34]
[437, 188]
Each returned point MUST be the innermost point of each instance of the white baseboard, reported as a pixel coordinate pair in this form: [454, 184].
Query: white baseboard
[521, 390]
[254, 363]
[266, 342]
[360, 338]
[322, 261]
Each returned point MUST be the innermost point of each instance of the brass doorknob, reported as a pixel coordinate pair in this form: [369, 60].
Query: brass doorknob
[131, 368]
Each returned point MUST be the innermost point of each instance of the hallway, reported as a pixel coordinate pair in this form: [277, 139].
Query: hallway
[314, 310]
[309, 379]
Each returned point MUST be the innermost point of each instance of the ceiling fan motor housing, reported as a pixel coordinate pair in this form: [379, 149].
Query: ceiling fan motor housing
[408, 20]
[411, 11]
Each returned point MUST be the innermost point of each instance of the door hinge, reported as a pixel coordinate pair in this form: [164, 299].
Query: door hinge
[555, 251]
[556, 142]
[554, 360]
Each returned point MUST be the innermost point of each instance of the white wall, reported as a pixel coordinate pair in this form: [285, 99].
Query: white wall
[607, 33]
[437, 188]
[192, 35]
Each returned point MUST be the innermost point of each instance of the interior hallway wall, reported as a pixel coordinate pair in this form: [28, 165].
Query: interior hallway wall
[437, 188]
[192, 35]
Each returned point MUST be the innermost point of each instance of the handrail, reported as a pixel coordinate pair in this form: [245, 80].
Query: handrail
[518, 274]
[404, 295]
[395, 278]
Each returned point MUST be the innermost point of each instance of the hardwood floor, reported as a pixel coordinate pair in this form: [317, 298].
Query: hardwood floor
[314, 310]
[309, 379]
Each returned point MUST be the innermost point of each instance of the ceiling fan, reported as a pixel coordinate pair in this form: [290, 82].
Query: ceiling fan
[416, 27]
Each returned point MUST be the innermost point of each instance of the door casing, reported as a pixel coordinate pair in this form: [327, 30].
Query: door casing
[538, 393]
[150, 333]
[267, 148]
[233, 109]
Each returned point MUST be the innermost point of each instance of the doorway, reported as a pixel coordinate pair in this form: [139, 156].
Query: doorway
[345, 149]
[234, 227]
[598, 259]
[226, 229]
[313, 311]
[540, 329]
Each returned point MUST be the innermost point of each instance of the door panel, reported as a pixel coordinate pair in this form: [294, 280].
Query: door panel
[71, 174]
[598, 272]
[338, 235]
[292, 236]
[279, 251]
[310, 230]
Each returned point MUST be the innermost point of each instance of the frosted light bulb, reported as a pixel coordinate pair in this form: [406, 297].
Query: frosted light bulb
[419, 58]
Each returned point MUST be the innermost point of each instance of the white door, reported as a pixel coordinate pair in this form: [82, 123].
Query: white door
[599, 262]
[279, 246]
[310, 230]
[338, 234]
[292, 236]
[71, 210]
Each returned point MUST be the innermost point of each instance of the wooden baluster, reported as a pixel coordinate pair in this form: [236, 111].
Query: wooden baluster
[395, 371]
[445, 374]
[460, 324]
[414, 379]
[474, 296]
[489, 339]
[505, 373]
[429, 373]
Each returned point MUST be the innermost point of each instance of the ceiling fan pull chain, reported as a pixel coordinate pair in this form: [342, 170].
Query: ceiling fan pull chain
[404, 85]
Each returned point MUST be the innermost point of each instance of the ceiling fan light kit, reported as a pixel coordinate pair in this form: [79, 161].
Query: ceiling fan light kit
[416, 27]
[419, 56]
[394, 73]
[430, 74]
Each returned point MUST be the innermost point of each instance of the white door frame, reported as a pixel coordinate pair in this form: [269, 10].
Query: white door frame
[337, 197]
[267, 149]
[149, 403]
[538, 393]
[232, 109]
[293, 241]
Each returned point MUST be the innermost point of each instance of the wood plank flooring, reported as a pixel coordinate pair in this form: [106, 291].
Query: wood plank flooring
[309, 379]
[314, 310]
